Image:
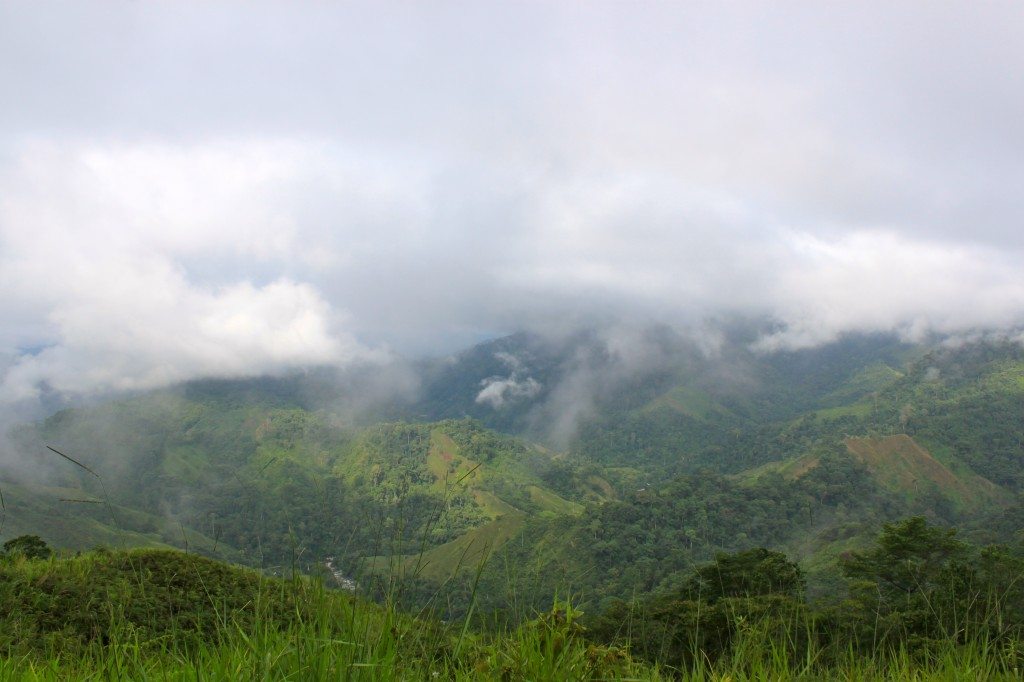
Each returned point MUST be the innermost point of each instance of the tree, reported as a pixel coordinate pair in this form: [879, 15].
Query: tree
[919, 586]
[701, 620]
[910, 557]
[29, 546]
[753, 573]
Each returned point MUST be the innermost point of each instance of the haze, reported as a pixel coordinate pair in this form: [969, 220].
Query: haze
[193, 189]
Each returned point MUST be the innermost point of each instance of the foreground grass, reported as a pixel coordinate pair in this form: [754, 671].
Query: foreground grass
[145, 614]
[159, 615]
[300, 655]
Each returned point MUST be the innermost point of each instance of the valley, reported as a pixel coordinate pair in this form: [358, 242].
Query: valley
[488, 516]
[807, 452]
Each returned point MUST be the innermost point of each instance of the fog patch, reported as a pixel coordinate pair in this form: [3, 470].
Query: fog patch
[366, 390]
[599, 365]
[498, 391]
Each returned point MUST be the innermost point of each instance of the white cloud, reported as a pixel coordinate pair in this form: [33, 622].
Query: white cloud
[870, 281]
[496, 391]
[233, 189]
[96, 247]
[155, 329]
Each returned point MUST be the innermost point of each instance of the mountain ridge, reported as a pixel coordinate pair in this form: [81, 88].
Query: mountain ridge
[817, 448]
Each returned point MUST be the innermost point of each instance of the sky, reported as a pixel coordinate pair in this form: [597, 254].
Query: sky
[192, 189]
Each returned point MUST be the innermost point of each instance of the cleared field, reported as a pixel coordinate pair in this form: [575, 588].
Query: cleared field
[449, 467]
[900, 464]
[790, 468]
[464, 552]
[550, 502]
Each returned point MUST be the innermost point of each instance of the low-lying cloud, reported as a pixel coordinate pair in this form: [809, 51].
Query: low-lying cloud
[159, 331]
[496, 391]
[97, 254]
[177, 202]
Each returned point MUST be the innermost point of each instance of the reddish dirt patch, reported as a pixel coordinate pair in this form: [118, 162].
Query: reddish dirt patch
[263, 429]
[900, 462]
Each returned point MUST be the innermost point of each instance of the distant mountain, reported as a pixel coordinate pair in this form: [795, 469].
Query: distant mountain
[854, 442]
[602, 462]
[652, 399]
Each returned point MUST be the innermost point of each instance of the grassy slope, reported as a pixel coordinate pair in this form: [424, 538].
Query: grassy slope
[170, 616]
[790, 468]
[71, 518]
[167, 615]
[453, 473]
[166, 455]
[868, 400]
[901, 465]
[465, 552]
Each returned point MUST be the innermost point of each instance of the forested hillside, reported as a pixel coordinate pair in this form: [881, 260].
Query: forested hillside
[815, 484]
[273, 485]
[679, 454]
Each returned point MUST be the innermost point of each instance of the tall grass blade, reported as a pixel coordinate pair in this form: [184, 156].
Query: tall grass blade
[72, 460]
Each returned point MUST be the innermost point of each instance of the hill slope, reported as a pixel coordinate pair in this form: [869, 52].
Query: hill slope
[904, 467]
[677, 455]
[147, 614]
[271, 484]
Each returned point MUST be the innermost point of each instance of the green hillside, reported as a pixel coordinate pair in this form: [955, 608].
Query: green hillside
[485, 486]
[157, 614]
[272, 485]
[169, 615]
[904, 467]
[67, 518]
[873, 443]
[807, 452]
[900, 466]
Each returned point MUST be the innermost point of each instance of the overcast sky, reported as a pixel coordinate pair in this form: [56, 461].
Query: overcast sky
[230, 188]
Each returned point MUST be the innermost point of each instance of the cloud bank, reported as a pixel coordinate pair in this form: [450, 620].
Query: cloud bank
[189, 189]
